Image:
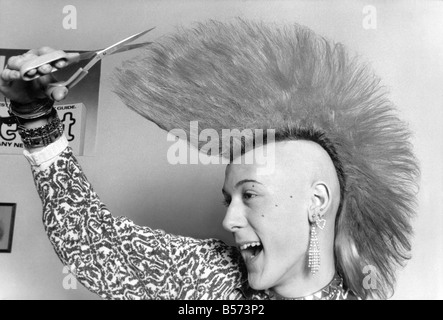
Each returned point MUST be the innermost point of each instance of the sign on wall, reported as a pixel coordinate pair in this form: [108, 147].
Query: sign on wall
[73, 117]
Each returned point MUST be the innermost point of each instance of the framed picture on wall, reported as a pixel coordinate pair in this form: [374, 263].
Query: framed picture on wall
[7, 216]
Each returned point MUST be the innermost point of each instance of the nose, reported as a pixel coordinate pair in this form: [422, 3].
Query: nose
[235, 218]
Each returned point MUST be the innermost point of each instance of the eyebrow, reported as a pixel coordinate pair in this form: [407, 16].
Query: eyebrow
[246, 181]
[242, 182]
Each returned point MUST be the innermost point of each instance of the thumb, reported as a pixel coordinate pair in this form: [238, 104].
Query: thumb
[57, 93]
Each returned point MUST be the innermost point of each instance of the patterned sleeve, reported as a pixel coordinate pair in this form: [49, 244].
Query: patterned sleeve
[116, 259]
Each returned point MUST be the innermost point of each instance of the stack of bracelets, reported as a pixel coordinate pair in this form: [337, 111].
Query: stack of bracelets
[40, 109]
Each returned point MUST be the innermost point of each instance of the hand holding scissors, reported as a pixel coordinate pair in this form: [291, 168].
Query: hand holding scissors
[41, 62]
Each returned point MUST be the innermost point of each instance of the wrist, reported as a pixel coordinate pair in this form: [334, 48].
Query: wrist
[41, 132]
[35, 123]
[24, 112]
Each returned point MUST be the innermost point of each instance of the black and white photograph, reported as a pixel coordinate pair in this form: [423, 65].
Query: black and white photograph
[221, 150]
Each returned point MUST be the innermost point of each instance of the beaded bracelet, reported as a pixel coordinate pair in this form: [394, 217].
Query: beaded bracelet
[44, 135]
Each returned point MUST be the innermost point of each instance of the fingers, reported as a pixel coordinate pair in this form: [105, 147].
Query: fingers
[41, 51]
[60, 64]
[10, 75]
[46, 85]
[44, 69]
[15, 63]
[13, 82]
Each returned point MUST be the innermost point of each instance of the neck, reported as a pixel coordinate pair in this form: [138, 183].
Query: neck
[305, 283]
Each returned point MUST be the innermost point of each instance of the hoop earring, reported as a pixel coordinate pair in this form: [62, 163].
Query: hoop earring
[314, 248]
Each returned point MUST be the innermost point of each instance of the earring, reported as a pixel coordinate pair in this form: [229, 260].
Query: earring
[320, 222]
[314, 251]
[314, 248]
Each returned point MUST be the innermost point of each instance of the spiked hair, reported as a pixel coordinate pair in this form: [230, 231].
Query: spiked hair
[246, 74]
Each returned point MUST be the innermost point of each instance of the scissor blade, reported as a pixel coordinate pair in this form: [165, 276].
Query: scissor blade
[86, 55]
[112, 49]
[118, 45]
[90, 54]
[132, 46]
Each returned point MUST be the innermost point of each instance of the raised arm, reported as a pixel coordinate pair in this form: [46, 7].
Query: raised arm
[115, 258]
[111, 256]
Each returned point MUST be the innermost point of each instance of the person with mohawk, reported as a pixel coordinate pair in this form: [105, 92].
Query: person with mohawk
[337, 203]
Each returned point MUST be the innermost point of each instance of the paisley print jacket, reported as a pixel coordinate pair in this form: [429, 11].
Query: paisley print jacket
[116, 259]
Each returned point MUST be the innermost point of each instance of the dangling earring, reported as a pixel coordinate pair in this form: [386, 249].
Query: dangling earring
[314, 248]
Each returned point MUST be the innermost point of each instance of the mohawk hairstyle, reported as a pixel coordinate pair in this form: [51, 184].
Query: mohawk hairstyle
[254, 75]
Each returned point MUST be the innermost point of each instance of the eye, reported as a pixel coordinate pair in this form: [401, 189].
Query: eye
[249, 195]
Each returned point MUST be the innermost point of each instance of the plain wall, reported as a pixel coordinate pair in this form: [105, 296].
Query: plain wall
[129, 169]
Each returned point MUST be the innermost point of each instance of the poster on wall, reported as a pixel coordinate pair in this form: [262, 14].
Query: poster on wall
[7, 217]
[78, 111]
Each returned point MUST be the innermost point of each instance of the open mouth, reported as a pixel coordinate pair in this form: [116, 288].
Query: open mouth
[251, 250]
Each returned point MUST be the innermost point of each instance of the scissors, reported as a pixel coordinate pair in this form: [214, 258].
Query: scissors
[95, 56]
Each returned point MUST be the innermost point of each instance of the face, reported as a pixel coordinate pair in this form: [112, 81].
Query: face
[267, 212]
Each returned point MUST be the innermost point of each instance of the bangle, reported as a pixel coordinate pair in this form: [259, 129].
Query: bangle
[31, 111]
[44, 135]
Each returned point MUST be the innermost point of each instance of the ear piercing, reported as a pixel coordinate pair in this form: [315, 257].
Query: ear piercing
[314, 248]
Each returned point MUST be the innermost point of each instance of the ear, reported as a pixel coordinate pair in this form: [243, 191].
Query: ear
[320, 200]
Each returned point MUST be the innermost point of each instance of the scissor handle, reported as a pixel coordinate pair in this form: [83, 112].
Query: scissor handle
[49, 58]
[71, 82]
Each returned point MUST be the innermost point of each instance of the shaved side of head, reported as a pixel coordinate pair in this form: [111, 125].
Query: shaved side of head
[302, 162]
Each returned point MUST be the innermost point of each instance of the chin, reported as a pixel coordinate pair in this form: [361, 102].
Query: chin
[258, 283]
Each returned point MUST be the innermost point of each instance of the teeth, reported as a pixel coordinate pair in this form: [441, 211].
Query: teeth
[250, 244]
